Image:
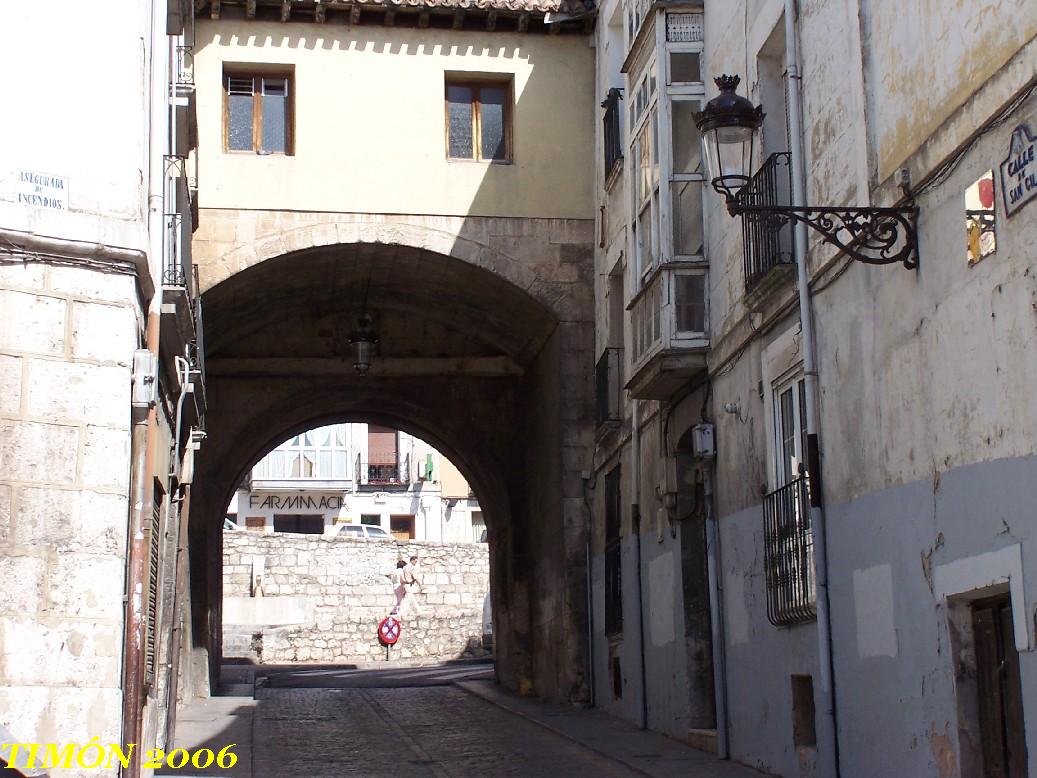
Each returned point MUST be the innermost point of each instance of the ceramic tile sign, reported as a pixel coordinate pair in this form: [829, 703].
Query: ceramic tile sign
[42, 190]
[1019, 170]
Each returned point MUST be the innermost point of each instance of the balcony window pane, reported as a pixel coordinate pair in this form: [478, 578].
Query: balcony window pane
[491, 115]
[687, 218]
[690, 303]
[684, 67]
[340, 465]
[239, 108]
[644, 235]
[687, 142]
[324, 465]
[459, 120]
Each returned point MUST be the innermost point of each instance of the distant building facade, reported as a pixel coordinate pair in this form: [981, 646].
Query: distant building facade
[334, 479]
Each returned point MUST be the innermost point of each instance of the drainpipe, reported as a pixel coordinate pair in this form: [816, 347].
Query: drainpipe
[826, 713]
[144, 437]
[635, 520]
[716, 616]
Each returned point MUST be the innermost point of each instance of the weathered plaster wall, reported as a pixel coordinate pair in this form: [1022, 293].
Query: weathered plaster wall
[369, 106]
[102, 160]
[322, 599]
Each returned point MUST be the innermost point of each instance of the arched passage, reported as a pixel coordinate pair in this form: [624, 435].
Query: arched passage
[488, 372]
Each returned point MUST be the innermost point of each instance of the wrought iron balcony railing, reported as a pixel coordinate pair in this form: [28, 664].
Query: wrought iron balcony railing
[788, 541]
[382, 473]
[767, 237]
[608, 382]
[613, 136]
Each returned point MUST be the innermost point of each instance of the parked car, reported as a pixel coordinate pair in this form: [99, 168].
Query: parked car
[361, 531]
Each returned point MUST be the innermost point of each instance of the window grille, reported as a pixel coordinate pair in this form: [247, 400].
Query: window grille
[789, 554]
[152, 589]
[684, 28]
[613, 136]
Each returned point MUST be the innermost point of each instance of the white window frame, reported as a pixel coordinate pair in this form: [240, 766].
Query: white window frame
[781, 363]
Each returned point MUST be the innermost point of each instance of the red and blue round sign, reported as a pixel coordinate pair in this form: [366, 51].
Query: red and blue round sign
[389, 630]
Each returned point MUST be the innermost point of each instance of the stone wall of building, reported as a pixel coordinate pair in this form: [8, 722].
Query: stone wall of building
[320, 599]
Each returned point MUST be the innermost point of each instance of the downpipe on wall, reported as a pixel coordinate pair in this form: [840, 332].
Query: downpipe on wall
[828, 737]
[635, 522]
[144, 437]
[716, 625]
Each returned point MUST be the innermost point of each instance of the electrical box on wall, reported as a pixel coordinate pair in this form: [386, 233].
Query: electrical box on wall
[702, 441]
[145, 379]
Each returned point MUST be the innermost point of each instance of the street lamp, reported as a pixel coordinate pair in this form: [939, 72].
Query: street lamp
[728, 124]
[363, 340]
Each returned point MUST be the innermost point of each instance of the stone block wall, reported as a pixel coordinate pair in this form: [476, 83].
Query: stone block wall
[322, 599]
[67, 336]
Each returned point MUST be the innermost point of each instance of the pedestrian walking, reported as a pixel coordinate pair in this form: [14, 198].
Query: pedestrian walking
[399, 587]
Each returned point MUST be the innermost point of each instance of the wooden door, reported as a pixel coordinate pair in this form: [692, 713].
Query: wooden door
[402, 527]
[1000, 689]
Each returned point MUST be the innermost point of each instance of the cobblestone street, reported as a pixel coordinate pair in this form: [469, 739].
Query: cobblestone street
[409, 726]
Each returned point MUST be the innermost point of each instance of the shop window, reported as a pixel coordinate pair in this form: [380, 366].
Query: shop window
[299, 523]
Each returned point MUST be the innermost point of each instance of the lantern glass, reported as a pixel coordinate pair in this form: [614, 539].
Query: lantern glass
[728, 152]
[363, 350]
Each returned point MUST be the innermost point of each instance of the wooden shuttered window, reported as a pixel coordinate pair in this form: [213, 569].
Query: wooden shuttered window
[257, 113]
[478, 120]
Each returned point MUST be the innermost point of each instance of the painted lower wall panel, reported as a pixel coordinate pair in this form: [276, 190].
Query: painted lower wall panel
[889, 554]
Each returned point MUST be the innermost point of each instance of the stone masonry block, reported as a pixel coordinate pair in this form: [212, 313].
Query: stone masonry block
[10, 384]
[68, 519]
[106, 459]
[87, 586]
[31, 451]
[96, 284]
[24, 598]
[31, 323]
[79, 653]
[79, 392]
[107, 333]
[6, 511]
[27, 275]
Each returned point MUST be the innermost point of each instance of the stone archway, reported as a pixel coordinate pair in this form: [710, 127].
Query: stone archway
[490, 359]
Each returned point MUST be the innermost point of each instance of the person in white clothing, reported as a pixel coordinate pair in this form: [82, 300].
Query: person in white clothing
[399, 586]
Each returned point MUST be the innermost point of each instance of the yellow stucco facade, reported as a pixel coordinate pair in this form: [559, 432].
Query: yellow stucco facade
[369, 121]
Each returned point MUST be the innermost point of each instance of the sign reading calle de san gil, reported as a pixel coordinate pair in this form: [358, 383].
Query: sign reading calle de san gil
[1019, 170]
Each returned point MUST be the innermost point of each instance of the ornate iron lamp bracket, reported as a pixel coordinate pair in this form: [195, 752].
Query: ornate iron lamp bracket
[876, 236]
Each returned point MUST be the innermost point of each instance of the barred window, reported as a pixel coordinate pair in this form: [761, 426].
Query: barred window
[788, 535]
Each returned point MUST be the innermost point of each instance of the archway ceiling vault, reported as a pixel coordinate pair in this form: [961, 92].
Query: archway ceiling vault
[428, 307]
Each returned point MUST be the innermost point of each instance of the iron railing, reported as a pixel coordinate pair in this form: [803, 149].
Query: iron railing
[382, 473]
[608, 382]
[613, 136]
[184, 75]
[767, 237]
[788, 542]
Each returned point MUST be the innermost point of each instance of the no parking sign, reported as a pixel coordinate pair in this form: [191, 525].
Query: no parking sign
[389, 631]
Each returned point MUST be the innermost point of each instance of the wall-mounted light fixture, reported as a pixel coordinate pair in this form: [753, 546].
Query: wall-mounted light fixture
[728, 124]
[362, 341]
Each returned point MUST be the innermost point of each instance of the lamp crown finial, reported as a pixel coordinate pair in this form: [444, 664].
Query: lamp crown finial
[727, 83]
